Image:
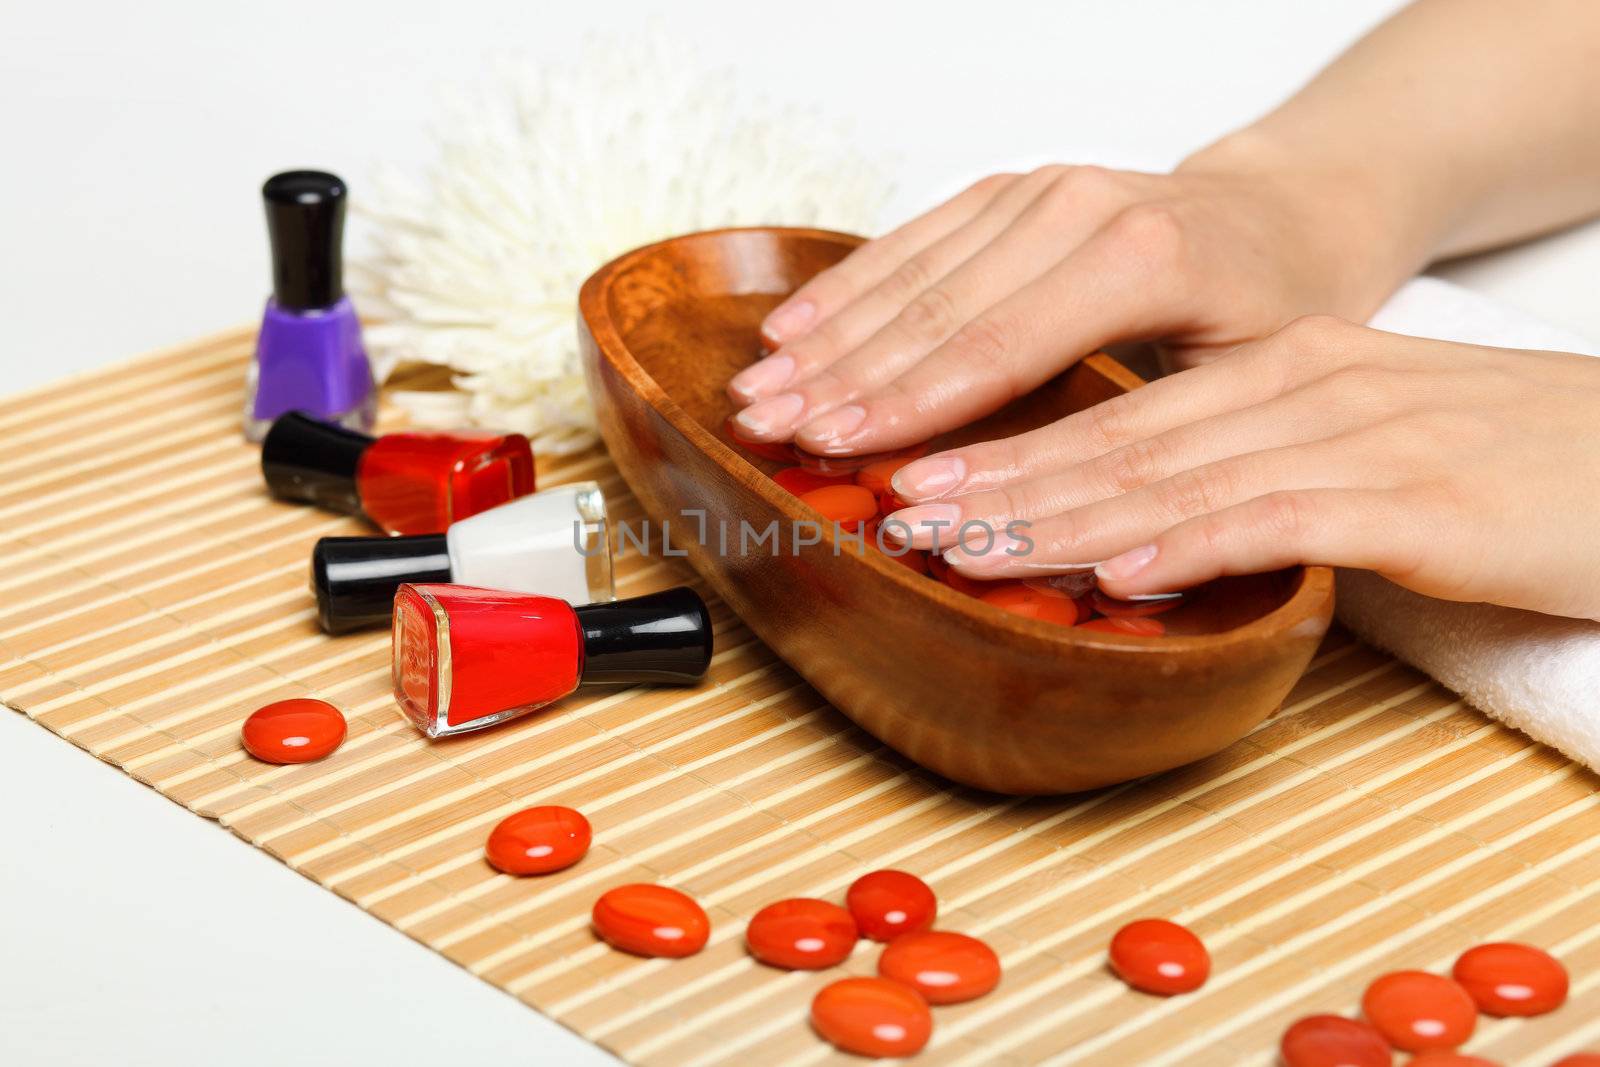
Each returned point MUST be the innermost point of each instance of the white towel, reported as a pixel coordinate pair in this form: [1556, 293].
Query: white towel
[1535, 672]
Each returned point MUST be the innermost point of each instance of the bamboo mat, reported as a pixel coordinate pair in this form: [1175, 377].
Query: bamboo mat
[153, 596]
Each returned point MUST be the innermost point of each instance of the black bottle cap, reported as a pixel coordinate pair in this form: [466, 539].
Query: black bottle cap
[312, 461]
[355, 578]
[305, 221]
[662, 637]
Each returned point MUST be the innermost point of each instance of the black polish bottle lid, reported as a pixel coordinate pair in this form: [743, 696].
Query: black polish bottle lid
[658, 638]
[355, 578]
[314, 462]
[305, 221]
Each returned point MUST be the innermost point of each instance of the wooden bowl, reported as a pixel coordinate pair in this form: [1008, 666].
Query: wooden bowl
[981, 696]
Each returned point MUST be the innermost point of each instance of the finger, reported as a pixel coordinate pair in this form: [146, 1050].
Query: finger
[1368, 529]
[1087, 535]
[1061, 215]
[1122, 283]
[1252, 374]
[869, 264]
[1336, 404]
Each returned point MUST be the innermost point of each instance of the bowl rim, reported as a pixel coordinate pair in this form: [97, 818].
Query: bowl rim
[1312, 594]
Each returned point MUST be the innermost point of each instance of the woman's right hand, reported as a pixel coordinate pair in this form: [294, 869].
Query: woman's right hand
[1003, 286]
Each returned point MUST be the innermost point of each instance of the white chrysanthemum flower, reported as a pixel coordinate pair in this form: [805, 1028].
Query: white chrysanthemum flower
[545, 174]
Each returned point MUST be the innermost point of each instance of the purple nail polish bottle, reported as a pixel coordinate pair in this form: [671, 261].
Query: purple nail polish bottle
[309, 355]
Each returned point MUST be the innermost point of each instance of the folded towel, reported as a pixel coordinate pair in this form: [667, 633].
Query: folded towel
[1535, 672]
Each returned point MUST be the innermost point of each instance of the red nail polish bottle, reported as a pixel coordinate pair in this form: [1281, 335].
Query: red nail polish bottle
[405, 483]
[466, 658]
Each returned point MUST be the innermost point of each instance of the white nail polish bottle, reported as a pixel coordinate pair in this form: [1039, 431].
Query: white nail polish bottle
[555, 543]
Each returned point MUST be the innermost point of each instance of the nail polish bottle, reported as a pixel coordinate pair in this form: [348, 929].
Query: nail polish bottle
[466, 658]
[404, 483]
[309, 355]
[555, 543]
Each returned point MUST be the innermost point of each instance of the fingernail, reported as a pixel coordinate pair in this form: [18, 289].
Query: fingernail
[771, 419]
[1130, 563]
[928, 478]
[762, 378]
[1004, 551]
[928, 523]
[825, 433]
[786, 321]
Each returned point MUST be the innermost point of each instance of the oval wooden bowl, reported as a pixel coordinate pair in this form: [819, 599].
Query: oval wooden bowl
[981, 696]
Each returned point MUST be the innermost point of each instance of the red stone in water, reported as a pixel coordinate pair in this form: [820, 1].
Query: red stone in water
[1334, 1041]
[1416, 1010]
[799, 481]
[888, 504]
[651, 920]
[1445, 1058]
[887, 904]
[875, 476]
[539, 840]
[1505, 978]
[848, 505]
[777, 451]
[801, 934]
[1579, 1059]
[945, 967]
[1158, 956]
[872, 1017]
[1137, 626]
[300, 730]
[1030, 603]
[1131, 609]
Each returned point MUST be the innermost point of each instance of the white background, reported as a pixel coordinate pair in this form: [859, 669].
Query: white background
[135, 137]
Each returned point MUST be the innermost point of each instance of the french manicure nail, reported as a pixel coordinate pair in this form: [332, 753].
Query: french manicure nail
[772, 418]
[929, 478]
[826, 431]
[928, 522]
[1128, 564]
[787, 320]
[762, 378]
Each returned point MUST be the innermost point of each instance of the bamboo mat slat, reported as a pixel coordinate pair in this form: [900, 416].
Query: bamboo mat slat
[154, 596]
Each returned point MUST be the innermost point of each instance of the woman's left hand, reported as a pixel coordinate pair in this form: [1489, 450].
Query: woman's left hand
[1460, 472]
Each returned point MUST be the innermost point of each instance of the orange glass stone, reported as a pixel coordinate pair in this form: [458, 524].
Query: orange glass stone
[1416, 1010]
[1446, 1058]
[800, 481]
[1139, 627]
[651, 920]
[1030, 603]
[300, 730]
[1506, 978]
[887, 904]
[847, 505]
[945, 967]
[802, 934]
[539, 840]
[875, 476]
[1579, 1059]
[1158, 956]
[1334, 1041]
[872, 1017]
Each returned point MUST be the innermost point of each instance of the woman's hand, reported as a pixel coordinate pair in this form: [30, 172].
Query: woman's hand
[1003, 286]
[1460, 472]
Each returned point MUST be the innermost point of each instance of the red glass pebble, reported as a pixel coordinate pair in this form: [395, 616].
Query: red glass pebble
[1158, 956]
[945, 967]
[300, 730]
[651, 920]
[1416, 1010]
[1334, 1041]
[847, 505]
[1030, 603]
[1446, 1058]
[1139, 627]
[887, 904]
[1505, 978]
[872, 1017]
[539, 840]
[801, 934]
[875, 476]
[800, 481]
[1579, 1059]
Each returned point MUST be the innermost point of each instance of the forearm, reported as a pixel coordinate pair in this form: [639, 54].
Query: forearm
[1454, 126]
